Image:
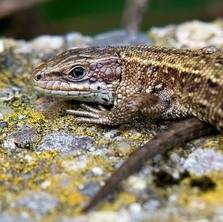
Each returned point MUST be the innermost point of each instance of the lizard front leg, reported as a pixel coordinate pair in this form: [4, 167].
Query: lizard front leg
[124, 111]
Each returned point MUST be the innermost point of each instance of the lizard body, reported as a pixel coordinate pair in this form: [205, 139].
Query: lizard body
[152, 81]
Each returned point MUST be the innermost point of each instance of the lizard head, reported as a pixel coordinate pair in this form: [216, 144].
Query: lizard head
[87, 74]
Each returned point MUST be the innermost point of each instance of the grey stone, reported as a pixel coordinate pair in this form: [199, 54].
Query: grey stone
[65, 142]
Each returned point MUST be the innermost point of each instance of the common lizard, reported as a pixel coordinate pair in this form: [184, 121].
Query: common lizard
[154, 82]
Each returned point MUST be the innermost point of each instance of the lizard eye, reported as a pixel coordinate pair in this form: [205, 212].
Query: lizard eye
[77, 72]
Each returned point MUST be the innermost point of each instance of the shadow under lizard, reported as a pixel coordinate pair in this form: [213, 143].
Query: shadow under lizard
[148, 81]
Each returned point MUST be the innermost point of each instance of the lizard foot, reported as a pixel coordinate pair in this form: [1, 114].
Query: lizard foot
[122, 112]
[90, 115]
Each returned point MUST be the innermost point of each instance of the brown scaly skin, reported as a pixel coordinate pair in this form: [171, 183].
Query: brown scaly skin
[139, 80]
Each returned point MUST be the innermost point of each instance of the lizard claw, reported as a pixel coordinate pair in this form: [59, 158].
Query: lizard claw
[94, 115]
[94, 110]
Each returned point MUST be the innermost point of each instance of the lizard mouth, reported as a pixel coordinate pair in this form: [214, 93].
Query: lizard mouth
[59, 87]
[63, 93]
[82, 91]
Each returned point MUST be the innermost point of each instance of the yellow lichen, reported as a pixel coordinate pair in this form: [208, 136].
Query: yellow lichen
[96, 161]
[212, 197]
[127, 198]
[75, 198]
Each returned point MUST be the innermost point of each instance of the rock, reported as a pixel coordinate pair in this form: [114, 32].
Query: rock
[120, 37]
[65, 142]
[39, 203]
[25, 137]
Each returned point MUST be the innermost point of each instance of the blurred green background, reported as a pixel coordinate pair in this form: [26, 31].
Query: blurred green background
[96, 16]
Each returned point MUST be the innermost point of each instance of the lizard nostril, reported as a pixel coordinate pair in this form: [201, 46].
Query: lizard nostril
[38, 77]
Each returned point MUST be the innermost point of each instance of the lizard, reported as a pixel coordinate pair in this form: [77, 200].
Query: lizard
[148, 81]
